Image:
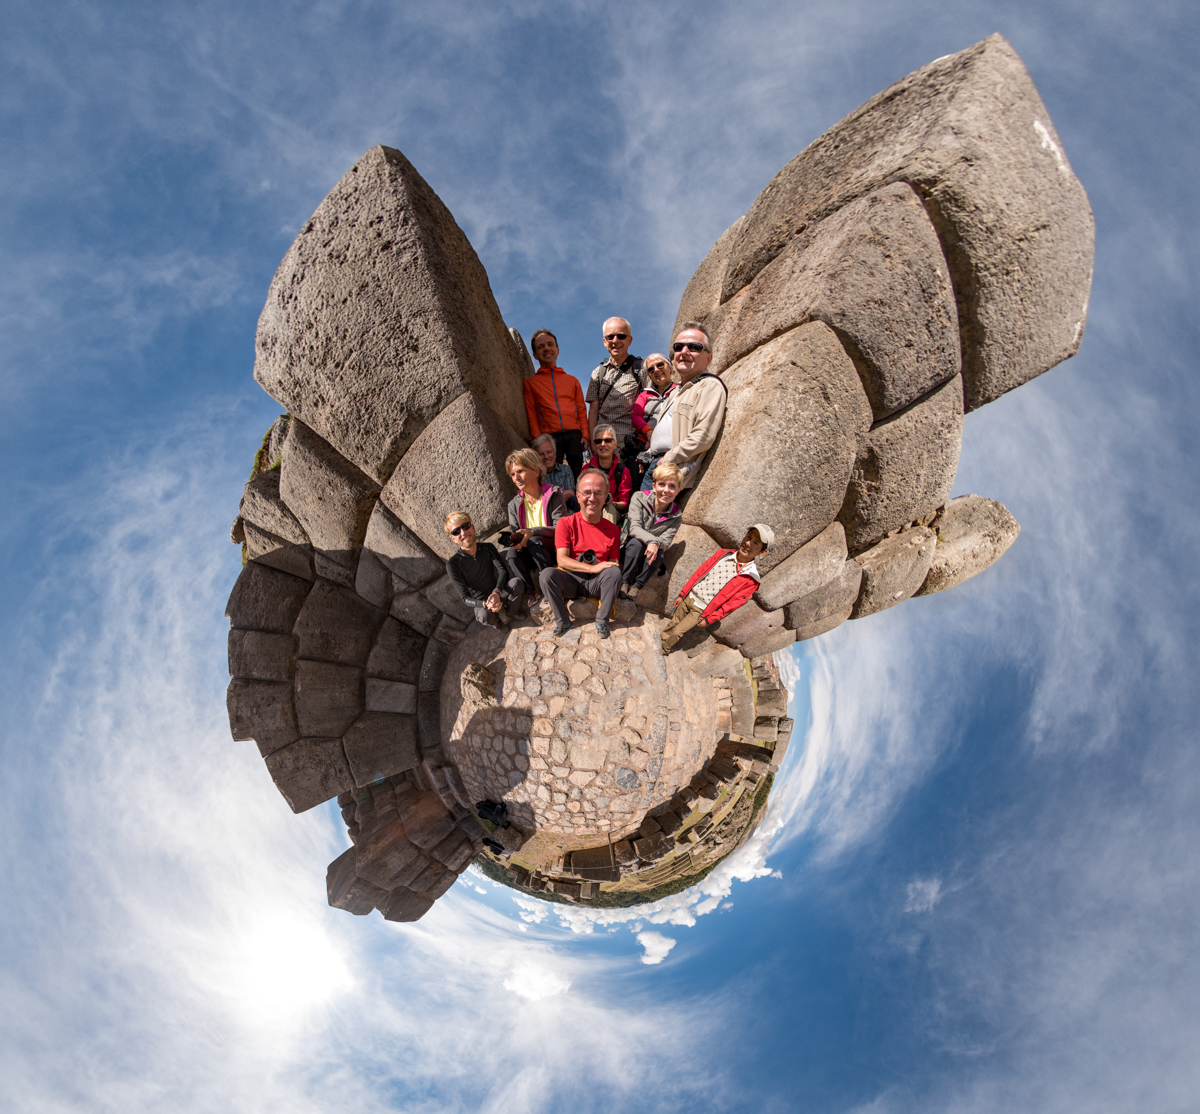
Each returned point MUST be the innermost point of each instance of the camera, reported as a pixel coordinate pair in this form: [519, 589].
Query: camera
[588, 557]
[506, 539]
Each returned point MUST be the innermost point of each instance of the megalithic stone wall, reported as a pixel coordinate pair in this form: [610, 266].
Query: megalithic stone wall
[929, 253]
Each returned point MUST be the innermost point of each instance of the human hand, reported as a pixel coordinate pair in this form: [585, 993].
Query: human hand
[651, 552]
[703, 622]
[493, 602]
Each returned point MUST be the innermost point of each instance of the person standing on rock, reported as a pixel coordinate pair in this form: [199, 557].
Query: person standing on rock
[589, 547]
[719, 586]
[533, 515]
[620, 478]
[692, 418]
[647, 405]
[654, 518]
[478, 574]
[616, 383]
[554, 403]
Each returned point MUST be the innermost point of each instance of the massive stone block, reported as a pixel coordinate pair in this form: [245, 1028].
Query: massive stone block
[268, 549]
[380, 316]
[692, 547]
[893, 570]
[337, 625]
[397, 653]
[330, 498]
[812, 565]
[905, 467]
[381, 744]
[266, 599]
[875, 272]
[262, 505]
[703, 293]
[747, 625]
[412, 563]
[458, 462]
[329, 697]
[310, 771]
[970, 134]
[262, 711]
[796, 416]
[833, 600]
[972, 533]
[258, 656]
[346, 890]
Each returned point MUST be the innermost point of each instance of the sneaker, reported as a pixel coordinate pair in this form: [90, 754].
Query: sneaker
[561, 628]
[602, 628]
[632, 592]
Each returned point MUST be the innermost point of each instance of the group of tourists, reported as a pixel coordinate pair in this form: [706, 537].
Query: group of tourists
[597, 492]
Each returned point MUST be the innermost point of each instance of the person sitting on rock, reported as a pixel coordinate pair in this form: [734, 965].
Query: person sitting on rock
[558, 473]
[554, 402]
[478, 574]
[588, 546]
[719, 586]
[533, 514]
[692, 417]
[646, 409]
[620, 479]
[654, 517]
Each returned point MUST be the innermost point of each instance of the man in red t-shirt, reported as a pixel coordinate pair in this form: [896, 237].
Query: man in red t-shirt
[585, 534]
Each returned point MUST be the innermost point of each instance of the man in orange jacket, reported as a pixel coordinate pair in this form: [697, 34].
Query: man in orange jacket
[719, 586]
[554, 403]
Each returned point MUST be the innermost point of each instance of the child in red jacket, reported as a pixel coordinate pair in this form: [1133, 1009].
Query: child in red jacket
[721, 585]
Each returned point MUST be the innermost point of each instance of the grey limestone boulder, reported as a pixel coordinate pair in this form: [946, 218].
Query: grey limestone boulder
[381, 744]
[262, 711]
[444, 596]
[796, 416]
[875, 272]
[893, 570]
[747, 625]
[834, 599]
[268, 549]
[780, 638]
[260, 656]
[310, 771]
[691, 548]
[905, 468]
[330, 498]
[337, 625]
[703, 292]
[403, 905]
[329, 697]
[380, 316]
[970, 134]
[262, 505]
[373, 581]
[346, 890]
[400, 550]
[266, 599]
[397, 653]
[457, 463]
[972, 533]
[415, 611]
[390, 696]
[814, 564]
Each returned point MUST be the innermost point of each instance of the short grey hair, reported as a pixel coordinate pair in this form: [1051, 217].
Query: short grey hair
[544, 437]
[695, 325]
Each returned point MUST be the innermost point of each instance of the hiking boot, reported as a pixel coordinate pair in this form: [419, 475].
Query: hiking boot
[561, 628]
[632, 592]
[602, 628]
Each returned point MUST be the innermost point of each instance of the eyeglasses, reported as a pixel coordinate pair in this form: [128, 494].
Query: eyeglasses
[606, 440]
[658, 367]
[459, 529]
[616, 336]
[690, 345]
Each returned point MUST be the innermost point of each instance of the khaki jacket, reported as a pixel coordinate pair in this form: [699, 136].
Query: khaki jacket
[696, 419]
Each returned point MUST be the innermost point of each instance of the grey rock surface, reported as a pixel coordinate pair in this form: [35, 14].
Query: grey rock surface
[457, 463]
[875, 272]
[814, 564]
[972, 533]
[380, 744]
[266, 599]
[329, 697]
[268, 549]
[691, 549]
[893, 570]
[259, 656]
[383, 250]
[971, 135]
[338, 625]
[397, 652]
[796, 416]
[905, 467]
[310, 771]
[330, 498]
[835, 598]
[401, 551]
[391, 696]
[703, 292]
[262, 711]
[262, 505]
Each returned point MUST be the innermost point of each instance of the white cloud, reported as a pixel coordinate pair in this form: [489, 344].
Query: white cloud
[657, 946]
[922, 895]
[534, 981]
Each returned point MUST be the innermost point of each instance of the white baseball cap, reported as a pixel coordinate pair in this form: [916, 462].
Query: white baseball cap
[765, 534]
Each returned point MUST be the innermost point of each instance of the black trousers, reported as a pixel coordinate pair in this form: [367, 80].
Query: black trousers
[527, 563]
[558, 586]
[569, 443]
[634, 569]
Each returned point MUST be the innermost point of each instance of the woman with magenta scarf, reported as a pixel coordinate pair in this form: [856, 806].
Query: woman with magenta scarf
[532, 515]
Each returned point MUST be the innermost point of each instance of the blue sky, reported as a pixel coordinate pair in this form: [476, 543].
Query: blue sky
[977, 886]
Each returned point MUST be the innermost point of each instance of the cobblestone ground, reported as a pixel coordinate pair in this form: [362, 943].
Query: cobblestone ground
[586, 734]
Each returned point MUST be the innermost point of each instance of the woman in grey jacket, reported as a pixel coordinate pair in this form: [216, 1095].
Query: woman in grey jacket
[653, 519]
[532, 515]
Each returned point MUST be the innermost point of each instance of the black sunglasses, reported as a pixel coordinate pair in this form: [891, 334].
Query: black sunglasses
[616, 336]
[657, 367]
[690, 345]
[459, 529]
[606, 440]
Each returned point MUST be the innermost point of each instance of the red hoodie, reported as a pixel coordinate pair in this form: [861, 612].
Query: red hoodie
[733, 595]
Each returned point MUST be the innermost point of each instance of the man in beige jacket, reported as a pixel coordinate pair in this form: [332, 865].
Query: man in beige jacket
[687, 427]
